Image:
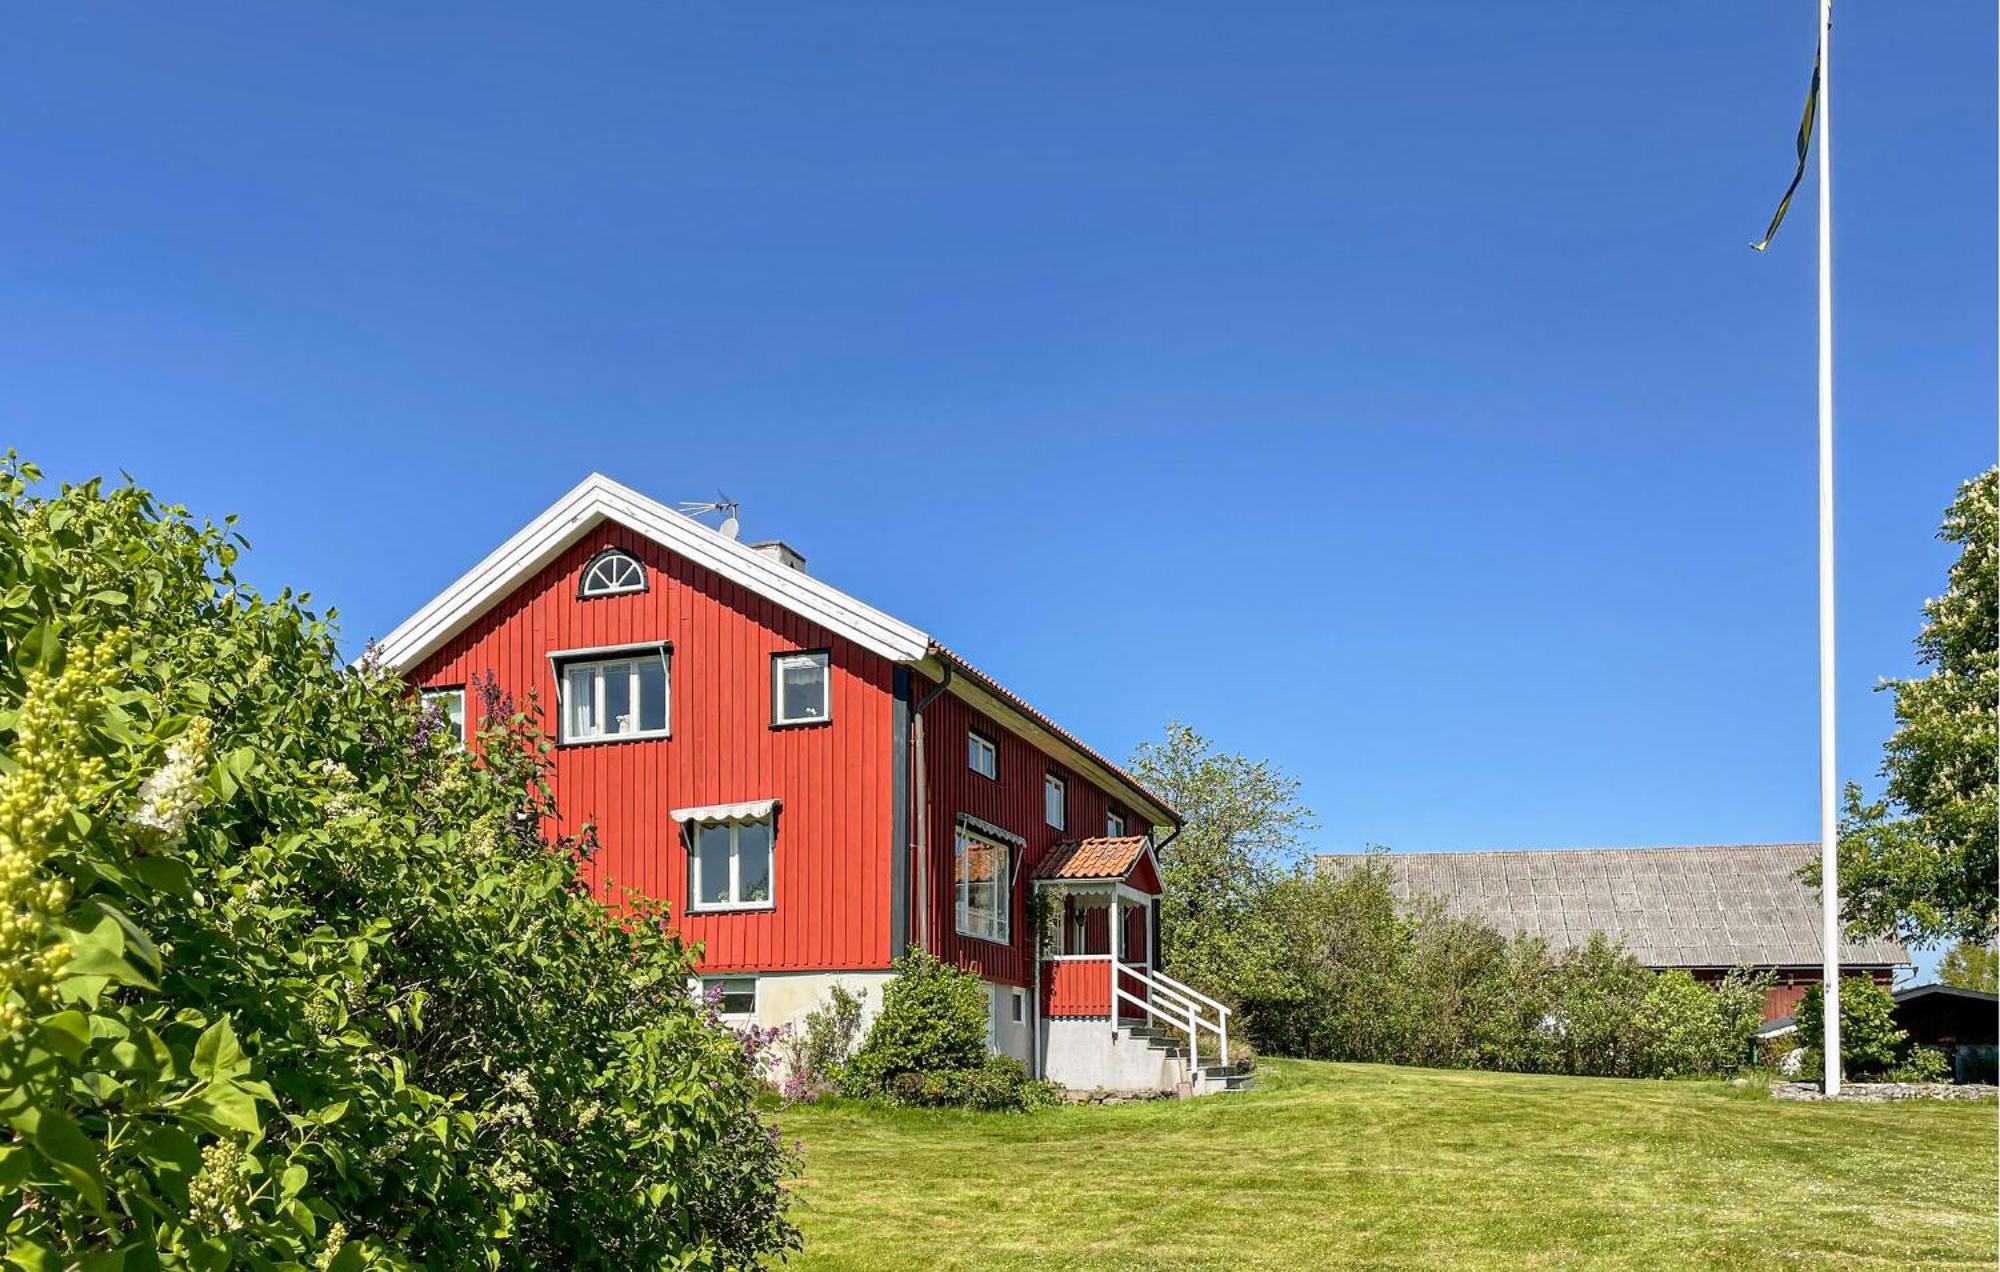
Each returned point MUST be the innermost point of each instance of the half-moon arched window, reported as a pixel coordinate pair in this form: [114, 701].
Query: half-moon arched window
[610, 572]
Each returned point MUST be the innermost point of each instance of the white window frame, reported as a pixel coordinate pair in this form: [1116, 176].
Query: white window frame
[976, 745]
[1055, 800]
[632, 580]
[1000, 927]
[443, 698]
[1114, 824]
[756, 997]
[823, 658]
[1019, 999]
[568, 660]
[693, 831]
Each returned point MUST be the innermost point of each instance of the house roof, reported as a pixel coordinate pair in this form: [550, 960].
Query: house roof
[1021, 706]
[1099, 858]
[598, 499]
[1936, 989]
[1740, 905]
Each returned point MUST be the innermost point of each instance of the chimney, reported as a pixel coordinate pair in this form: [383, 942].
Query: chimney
[782, 553]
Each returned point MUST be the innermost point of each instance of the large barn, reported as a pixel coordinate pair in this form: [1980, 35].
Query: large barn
[1703, 909]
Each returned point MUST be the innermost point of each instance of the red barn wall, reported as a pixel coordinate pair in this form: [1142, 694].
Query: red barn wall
[1012, 802]
[1790, 984]
[834, 856]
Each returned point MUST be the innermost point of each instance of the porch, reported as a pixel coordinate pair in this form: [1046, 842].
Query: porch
[1110, 1018]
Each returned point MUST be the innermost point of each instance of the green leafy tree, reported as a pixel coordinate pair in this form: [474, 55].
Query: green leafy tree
[1871, 1043]
[289, 979]
[1687, 1028]
[1600, 991]
[1971, 967]
[1921, 861]
[1325, 968]
[1245, 823]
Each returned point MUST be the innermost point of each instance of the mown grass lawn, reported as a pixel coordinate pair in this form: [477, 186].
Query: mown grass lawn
[1336, 1165]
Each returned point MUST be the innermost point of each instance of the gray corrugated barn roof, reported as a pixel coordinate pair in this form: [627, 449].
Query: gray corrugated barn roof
[1733, 906]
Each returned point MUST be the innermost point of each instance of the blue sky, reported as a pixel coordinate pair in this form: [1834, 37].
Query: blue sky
[1386, 389]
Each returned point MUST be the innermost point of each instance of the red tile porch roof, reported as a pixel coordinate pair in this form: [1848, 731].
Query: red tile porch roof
[1092, 858]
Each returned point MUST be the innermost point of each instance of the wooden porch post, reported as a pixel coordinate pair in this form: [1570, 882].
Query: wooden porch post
[1112, 946]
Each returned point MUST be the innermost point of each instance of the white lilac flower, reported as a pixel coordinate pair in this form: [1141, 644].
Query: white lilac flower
[172, 795]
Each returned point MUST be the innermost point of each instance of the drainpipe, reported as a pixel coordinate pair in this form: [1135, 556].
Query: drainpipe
[921, 781]
[1153, 926]
[1034, 988]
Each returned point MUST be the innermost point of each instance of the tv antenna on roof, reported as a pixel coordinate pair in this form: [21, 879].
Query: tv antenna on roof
[723, 504]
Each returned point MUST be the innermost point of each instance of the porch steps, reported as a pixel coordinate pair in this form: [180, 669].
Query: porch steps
[1210, 1076]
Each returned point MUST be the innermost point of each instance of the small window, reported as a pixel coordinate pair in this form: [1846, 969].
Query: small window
[451, 704]
[980, 753]
[984, 888]
[735, 997]
[1020, 1007]
[604, 699]
[729, 865]
[801, 689]
[1053, 810]
[1114, 824]
[610, 572]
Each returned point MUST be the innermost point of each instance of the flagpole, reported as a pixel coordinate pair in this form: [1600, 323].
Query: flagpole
[1829, 825]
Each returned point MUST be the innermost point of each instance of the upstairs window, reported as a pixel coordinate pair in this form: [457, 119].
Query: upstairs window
[982, 756]
[1114, 824]
[1054, 810]
[611, 572]
[801, 689]
[984, 888]
[608, 698]
[730, 865]
[449, 703]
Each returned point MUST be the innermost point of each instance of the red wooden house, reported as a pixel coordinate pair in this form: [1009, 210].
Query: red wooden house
[814, 786]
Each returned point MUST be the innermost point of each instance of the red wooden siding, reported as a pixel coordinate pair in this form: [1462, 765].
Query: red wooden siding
[1082, 987]
[1076, 987]
[1097, 920]
[1789, 986]
[833, 857]
[1013, 802]
[1146, 879]
[1131, 984]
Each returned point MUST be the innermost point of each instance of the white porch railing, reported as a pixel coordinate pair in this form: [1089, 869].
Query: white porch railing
[1173, 1004]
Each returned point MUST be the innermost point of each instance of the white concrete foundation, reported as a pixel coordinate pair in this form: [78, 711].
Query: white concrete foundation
[1007, 1035]
[1085, 1054]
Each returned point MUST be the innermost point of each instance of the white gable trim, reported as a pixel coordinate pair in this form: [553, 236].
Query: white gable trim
[598, 499]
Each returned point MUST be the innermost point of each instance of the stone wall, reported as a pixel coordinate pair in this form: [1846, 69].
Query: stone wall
[1882, 1092]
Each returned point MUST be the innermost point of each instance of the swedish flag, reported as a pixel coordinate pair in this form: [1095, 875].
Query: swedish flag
[1805, 143]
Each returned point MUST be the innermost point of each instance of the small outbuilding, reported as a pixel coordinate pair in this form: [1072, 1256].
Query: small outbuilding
[1962, 1023]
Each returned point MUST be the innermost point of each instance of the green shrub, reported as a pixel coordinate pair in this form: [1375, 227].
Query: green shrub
[1600, 990]
[933, 1020]
[1774, 1052]
[1922, 1064]
[816, 1054]
[1687, 1028]
[1870, 1042]
[928, 1045]
[1323, 972]
[288, 979]
[1344, 970]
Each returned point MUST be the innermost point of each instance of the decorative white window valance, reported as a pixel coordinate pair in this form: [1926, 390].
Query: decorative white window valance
[747, 811]
[991, 831]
